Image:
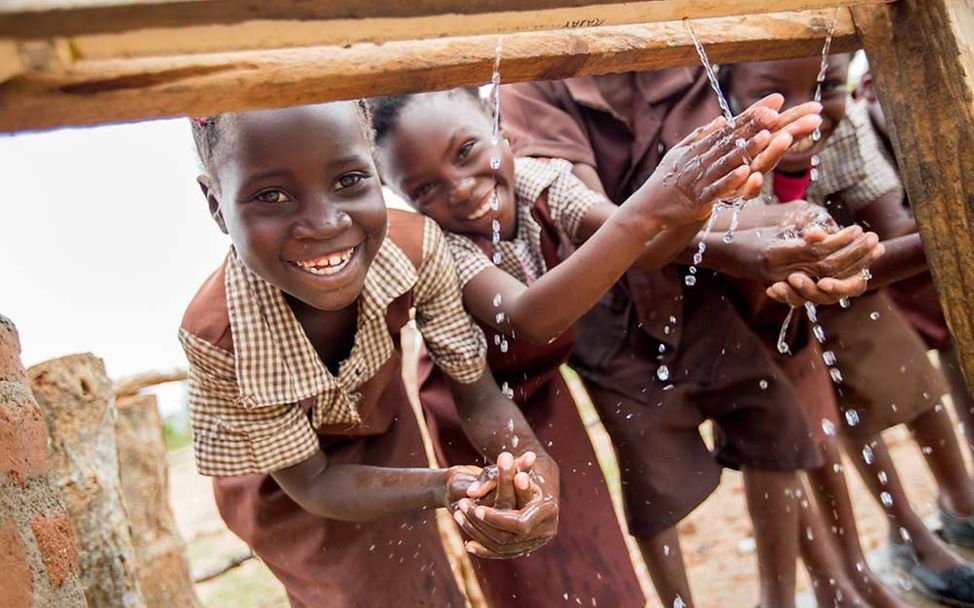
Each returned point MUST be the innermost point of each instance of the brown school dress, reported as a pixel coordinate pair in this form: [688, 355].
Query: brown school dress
[262, 400]
[659, 359]
[588, 561]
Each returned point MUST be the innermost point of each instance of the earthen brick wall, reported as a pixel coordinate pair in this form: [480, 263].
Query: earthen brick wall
[38, 555]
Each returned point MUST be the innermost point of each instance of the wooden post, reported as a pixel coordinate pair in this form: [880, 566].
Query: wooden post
[162, 567]
[38, 553]
[921, 53]
[75, 395]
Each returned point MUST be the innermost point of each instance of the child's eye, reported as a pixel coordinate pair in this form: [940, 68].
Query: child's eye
[272, 196]
[348, 180]
[464, 150]
[422, 191]
[833, 85]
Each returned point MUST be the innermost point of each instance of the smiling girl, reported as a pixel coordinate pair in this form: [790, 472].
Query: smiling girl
[298, 406]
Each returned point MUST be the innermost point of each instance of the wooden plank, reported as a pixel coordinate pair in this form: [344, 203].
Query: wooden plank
[56, 18]
[92, 92]
[921, 53]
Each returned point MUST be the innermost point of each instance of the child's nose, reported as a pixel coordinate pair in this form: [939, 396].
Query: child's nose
[461, 190]
[321, 221]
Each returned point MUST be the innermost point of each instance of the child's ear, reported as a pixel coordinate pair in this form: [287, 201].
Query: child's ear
[210, 193]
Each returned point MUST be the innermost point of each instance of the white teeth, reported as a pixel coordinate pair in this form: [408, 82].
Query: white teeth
[326, 264]
[480, 211]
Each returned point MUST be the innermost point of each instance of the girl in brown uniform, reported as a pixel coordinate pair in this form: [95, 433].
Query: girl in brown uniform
[436, 150]
[297, 401]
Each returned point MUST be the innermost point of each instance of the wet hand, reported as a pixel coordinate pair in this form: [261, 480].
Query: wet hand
[719, 162]
[524, 513]
[842, 274]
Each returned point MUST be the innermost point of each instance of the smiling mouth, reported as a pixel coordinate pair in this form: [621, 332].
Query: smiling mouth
[483, 209]
[326, 265]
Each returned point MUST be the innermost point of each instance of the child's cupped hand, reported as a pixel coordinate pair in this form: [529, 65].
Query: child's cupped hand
[720, 162]
[508, 510]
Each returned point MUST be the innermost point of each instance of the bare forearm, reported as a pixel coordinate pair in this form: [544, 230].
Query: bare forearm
[903, 259]
[493, 423]
[677, 244]
[361, 493]
[561, 296]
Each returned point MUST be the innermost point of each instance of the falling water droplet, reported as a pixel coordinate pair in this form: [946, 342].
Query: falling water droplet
[679, 603]
[837, 468]
[905, 535]
[504, 345]
[874, 315]
[763, 384]
[819, 333]
[844, 302]
[852, 417]
[515, 441]
[829, 358]
[690, 280]
[886, 498]
[883, 478]
[510, 425]
[836, 375]
[783, 333]
[495, 163]
[828, 427]
[663, 373]
[812, 312]
[497, 299]
[927, 449]
[867, 454]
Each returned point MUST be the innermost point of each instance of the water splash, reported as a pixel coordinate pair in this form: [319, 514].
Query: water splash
[817, 133]
[691, 279]
[495, 160]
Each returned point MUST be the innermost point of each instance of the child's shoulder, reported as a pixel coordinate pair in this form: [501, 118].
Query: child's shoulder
[407, 230]
[207, 317]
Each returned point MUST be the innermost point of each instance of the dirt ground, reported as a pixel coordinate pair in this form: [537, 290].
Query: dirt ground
[717, 537]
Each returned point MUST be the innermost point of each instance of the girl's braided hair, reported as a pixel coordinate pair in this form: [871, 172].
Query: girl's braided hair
[210, 131]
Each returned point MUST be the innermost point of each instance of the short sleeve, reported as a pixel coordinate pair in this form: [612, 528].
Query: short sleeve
[569, 200]
[539, 123]
[455, 343]
[853, 166]
[880, 176]
[469, 259]
[229, 437]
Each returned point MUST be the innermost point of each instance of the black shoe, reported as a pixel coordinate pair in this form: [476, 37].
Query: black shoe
[957, 530]
[953, 587]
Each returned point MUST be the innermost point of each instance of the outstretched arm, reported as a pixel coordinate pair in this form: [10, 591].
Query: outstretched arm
[703, 168]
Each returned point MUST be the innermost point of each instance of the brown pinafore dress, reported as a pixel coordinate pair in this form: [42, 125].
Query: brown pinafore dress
[396, 561]
[588, 561]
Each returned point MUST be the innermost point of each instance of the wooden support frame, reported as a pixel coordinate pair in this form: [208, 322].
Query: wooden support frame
[92, 92]
[57, 18]
[921, 53]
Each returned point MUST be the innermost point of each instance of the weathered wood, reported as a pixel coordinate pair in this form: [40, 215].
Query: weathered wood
[92, 92]
[268, 34]
[130, 385]
[921, 53]
[38, 19]
[75, 395]
[159, 549]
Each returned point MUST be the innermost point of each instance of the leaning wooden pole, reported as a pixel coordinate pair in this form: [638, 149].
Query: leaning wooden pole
[921, 53]
[144, 472]
[75, 394]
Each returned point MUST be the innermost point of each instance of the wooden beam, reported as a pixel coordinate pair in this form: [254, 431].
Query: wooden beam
[57, 18]
[92, 92]
[921, 53]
